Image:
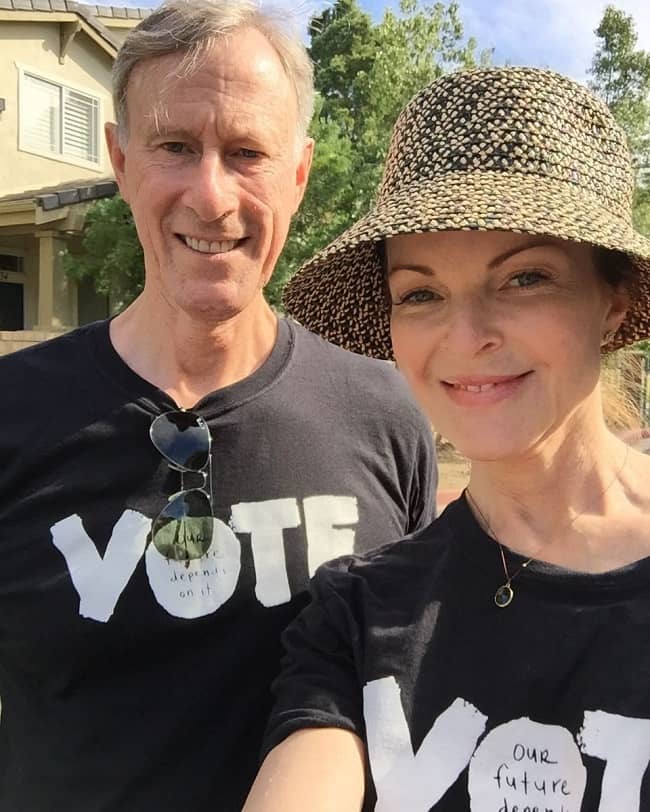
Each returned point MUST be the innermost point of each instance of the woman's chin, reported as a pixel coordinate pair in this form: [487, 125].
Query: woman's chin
[489, 449]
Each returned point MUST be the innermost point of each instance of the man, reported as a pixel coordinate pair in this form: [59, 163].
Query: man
[172, 477]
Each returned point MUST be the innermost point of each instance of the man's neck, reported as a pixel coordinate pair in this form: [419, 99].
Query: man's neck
[188, 358]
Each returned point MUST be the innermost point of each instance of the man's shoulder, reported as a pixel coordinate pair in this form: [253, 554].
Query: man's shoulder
[39, 371]
[344, 366]
[56, 350]
[398, 566]
[320, 345]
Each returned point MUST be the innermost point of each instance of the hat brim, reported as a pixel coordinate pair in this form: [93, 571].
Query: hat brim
[340, 293]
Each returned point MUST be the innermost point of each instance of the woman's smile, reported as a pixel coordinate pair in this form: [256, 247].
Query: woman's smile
[480, 391]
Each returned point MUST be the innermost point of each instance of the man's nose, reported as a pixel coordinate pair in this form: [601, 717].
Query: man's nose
[211, 190]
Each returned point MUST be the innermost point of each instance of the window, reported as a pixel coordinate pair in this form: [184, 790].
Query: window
[57, 120]
[8, 262]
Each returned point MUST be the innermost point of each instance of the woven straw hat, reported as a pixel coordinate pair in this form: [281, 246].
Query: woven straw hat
[511, 149]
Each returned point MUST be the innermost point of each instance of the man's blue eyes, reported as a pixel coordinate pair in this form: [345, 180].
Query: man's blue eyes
[178, 147]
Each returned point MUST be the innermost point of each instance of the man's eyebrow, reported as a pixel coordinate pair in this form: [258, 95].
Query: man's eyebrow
[541, 243]
[158, 130]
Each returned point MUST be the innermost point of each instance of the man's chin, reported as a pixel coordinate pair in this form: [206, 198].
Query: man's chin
[218, 304]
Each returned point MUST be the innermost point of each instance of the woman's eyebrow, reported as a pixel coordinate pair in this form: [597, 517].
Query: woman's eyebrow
[520, 249]
[423, 269]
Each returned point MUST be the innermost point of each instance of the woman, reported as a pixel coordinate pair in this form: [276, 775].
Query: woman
[500, 659]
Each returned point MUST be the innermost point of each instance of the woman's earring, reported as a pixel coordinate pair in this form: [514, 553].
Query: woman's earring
[609, 335]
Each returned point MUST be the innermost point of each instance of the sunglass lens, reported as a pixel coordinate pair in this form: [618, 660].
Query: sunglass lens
[183, 438]
[183, 529]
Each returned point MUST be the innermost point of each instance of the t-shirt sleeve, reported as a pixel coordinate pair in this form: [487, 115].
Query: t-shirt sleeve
[319, 684]
[424, 482]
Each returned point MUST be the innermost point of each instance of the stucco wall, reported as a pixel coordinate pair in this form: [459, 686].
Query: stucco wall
[118, 32]
[35, 47]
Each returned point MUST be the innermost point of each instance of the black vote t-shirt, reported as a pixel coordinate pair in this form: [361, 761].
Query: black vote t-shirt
[543, 706]
[131, 683]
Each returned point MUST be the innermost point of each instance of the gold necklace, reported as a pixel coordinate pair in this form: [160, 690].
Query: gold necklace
[505, 593]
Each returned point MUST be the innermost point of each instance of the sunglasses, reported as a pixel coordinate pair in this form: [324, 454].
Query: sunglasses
[183, 529]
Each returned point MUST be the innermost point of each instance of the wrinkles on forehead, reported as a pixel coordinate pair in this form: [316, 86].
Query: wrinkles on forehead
[216, 71]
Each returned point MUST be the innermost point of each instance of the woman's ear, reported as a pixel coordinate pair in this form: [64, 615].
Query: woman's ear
[618, 307]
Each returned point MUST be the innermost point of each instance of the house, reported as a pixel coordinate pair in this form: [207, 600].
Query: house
[55, 96]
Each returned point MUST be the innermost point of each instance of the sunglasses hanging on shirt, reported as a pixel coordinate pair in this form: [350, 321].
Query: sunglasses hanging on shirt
[182, 530]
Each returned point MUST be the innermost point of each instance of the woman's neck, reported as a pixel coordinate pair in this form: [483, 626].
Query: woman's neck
[581, 502]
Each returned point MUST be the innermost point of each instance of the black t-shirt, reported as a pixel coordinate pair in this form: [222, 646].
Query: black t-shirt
[132, 683]
[543, 705]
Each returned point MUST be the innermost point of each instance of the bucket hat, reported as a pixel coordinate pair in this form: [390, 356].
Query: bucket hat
[510, 149]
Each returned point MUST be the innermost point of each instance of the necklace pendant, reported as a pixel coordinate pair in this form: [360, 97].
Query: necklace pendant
[503, 596]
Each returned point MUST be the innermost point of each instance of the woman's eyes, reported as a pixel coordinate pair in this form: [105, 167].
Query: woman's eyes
[526, 279]
[418, 296]
[530, 278]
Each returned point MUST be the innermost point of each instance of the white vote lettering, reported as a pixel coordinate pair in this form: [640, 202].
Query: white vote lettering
[206, 584]
[330, 523]
[199, 587]
[266, 521]
[519, 765]
[405, 780]
[623, 743]
[100, 581]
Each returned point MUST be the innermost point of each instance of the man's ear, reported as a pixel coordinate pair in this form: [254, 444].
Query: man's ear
[117, 156]
[302, 171]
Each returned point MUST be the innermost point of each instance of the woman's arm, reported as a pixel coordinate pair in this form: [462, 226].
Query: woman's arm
[316, 769]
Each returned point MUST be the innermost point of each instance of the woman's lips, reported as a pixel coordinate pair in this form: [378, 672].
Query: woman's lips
[483, 390]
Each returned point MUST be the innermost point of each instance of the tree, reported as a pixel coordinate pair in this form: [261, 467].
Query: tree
[620, 74]
[111, 253]
[343, 48]
[364, 74]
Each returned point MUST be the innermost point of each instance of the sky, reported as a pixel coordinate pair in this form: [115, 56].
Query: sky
[557, 34]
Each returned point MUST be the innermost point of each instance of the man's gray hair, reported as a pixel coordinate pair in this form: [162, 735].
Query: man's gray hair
[190, 27]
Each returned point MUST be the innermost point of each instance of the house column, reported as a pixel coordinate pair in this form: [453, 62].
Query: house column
[57, 293]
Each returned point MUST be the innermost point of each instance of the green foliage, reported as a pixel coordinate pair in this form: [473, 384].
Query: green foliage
[111, 252]
[621, 77]
[365, 73]
[331, 195]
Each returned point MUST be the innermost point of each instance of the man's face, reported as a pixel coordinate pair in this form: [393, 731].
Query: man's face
[213, 171]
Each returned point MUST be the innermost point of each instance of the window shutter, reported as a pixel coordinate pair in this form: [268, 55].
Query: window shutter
[80, 119]
[41, 115]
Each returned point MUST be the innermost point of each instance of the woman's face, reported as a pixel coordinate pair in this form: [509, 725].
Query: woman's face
[499, 334]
